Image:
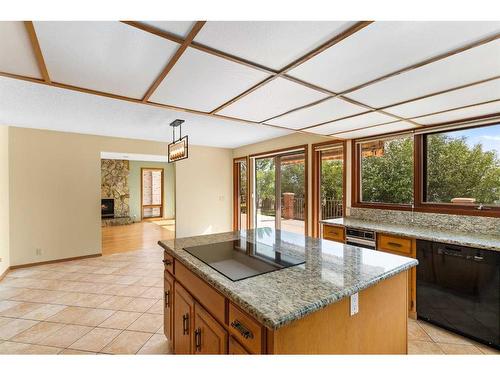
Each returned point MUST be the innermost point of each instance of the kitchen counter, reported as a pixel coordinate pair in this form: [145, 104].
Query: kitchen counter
[331, 272]
[483, 241]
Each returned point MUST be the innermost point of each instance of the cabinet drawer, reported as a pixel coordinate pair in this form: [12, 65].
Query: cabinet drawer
[245, 329]
[168, 260]
[334, 233]
[201, 291]
[392, 243]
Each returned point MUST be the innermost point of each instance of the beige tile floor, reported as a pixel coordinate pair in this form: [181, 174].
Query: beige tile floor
[113, 305]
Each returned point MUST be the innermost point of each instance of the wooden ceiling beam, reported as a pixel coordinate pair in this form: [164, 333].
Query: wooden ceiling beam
[30, 28]
[139, 101]
[177, 55]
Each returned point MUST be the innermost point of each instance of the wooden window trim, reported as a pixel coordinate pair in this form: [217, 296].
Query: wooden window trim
[355, 183]
[418, 183]
[316, 167]
[443, 208]
[236, 192]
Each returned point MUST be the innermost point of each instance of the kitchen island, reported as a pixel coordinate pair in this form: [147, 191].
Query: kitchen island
[299, 309]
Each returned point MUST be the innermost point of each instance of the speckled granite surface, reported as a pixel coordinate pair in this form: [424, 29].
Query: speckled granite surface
[332, 271]
[483, 241]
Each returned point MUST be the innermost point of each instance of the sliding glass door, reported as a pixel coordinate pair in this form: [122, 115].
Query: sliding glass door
[280, 192]
[240, 183]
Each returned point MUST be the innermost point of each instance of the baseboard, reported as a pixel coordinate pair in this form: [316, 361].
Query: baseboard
[4, 273]
[54, 261]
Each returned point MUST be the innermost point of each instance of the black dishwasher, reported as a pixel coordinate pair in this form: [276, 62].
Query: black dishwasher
[458, 288]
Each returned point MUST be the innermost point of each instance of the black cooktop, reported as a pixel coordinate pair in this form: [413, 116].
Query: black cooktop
[240, 259]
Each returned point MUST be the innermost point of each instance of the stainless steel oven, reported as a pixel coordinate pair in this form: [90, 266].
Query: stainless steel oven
[361, 238]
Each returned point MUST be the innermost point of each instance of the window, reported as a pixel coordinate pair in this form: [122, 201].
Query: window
[385, 171]
[462, 167]
[152, 192]
[240, 184]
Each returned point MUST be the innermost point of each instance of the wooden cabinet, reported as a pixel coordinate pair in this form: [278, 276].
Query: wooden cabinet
[168, 302]
[403, 246]
[183, 320]
[247, 330]
[235, 347]
[209, 336]
[334, 233]
[168, 261]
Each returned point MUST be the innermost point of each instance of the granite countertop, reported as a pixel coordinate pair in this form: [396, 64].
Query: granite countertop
[331, 272]
[483, 241]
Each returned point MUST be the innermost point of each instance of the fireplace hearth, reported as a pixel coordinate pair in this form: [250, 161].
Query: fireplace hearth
[107, 208]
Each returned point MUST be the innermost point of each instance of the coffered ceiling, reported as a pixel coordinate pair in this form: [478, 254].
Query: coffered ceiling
[237, 83]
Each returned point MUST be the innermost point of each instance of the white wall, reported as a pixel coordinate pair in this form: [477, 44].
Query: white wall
[4, 199]
[204, 192]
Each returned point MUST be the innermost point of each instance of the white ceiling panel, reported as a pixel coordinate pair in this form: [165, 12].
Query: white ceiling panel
[368, 119]
[328, 110]
[460, 114]
[179, 28]
[105, 56]
[470, 66]
[16, 53]
[276, 97]
[273, 44]
[204, 82]
[386, 46]
[31, 105]
[377, 130]
[453, 99]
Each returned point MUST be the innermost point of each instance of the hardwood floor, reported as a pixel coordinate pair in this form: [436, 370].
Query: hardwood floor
[124, 238]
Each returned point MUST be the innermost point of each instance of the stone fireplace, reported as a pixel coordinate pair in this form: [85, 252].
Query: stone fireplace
[114, 185]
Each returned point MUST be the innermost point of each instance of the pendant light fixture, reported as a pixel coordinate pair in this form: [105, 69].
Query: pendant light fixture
[178, 149]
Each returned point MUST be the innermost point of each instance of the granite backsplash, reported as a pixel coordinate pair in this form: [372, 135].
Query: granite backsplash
[477, 224]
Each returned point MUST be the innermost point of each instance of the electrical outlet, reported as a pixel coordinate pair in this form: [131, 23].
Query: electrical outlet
[354, 304]
[38, 251]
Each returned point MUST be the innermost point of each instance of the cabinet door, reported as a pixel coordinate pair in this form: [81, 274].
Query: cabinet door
[235, 347]
[168, 304]
[183, 320]
[209, 336]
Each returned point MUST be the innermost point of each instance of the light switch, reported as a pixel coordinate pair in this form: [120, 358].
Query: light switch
[354, 304]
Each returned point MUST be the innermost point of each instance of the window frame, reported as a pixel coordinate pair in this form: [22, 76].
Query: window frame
[419, 153]
[444, 208]
[356, 176]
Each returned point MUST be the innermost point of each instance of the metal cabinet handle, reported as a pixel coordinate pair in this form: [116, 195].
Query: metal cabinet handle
[197, 339]
[185, 324]
[167, 262]
[395, 244]
[167, 299]
[244, 331]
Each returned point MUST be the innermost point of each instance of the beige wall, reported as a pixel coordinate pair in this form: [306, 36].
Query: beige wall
[291, 140]
[4, 199]
[55, 191]
[204, 192]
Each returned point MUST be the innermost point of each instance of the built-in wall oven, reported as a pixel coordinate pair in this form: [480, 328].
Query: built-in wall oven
[360, 237]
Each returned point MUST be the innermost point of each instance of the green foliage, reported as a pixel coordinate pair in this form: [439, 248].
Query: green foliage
[331, 179]
[292, 179]
[389, 178]
[456, 170]
[265, 171]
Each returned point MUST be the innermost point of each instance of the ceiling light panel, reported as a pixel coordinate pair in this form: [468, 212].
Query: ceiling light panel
[104, 56]
[179, 28]
[327, 110]
[470, 95]
[356, 122]
[470, 66]
[276, 97]
[202, 81]
[273, 44]
[16, 52]
[31, 105]
[387, 46]
[377, 130]
[459, 114]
